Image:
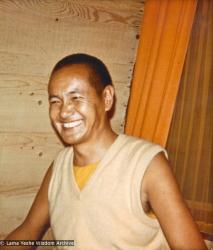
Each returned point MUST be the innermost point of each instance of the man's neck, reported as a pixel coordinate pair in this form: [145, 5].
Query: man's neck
[94, 150]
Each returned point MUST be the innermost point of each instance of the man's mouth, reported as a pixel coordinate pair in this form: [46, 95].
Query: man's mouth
[71, 124]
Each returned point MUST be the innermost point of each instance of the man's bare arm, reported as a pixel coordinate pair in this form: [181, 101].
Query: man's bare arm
[37, 220]
[165, 199]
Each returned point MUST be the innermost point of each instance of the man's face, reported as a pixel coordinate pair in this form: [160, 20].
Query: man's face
[76, 110]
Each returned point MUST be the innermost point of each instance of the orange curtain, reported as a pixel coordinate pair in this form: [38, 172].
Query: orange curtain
[164, 39]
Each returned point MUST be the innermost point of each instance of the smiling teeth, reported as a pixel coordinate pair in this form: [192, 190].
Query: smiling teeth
[71, 124]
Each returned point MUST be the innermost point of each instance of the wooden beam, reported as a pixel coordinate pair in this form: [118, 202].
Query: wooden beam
[165, 33]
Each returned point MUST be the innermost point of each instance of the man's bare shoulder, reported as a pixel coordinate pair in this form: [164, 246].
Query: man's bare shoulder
[163, 196]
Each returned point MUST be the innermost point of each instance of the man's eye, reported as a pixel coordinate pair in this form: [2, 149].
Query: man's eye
[54, 101]
[76, 97]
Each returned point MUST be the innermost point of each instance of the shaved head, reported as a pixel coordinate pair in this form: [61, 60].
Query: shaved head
[99, 76]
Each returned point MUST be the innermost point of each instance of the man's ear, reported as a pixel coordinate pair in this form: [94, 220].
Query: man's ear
[108, 96]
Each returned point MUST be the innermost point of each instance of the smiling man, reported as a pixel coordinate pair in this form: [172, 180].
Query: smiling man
[104, 191]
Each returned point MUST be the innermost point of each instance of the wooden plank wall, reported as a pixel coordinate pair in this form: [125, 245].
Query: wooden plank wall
[34, 35]
[190, 142]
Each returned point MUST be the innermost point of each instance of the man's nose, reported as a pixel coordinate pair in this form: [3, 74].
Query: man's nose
[66, 110]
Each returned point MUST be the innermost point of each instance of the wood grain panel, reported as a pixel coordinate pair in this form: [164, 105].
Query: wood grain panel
[108, 12]
[24, 159]
[190, 142]
[66, 35]
[34, 46]
[13, 210]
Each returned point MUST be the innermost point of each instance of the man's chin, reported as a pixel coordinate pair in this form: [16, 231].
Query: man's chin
[72, 140]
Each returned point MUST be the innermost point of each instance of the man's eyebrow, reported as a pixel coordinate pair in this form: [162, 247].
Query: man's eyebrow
[73, 92]
[69, 93]
[76, 91]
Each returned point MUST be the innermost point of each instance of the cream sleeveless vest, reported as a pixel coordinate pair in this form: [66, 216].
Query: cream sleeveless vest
[107, 213]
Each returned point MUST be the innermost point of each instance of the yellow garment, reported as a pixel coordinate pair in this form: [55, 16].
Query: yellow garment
[82, 174]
